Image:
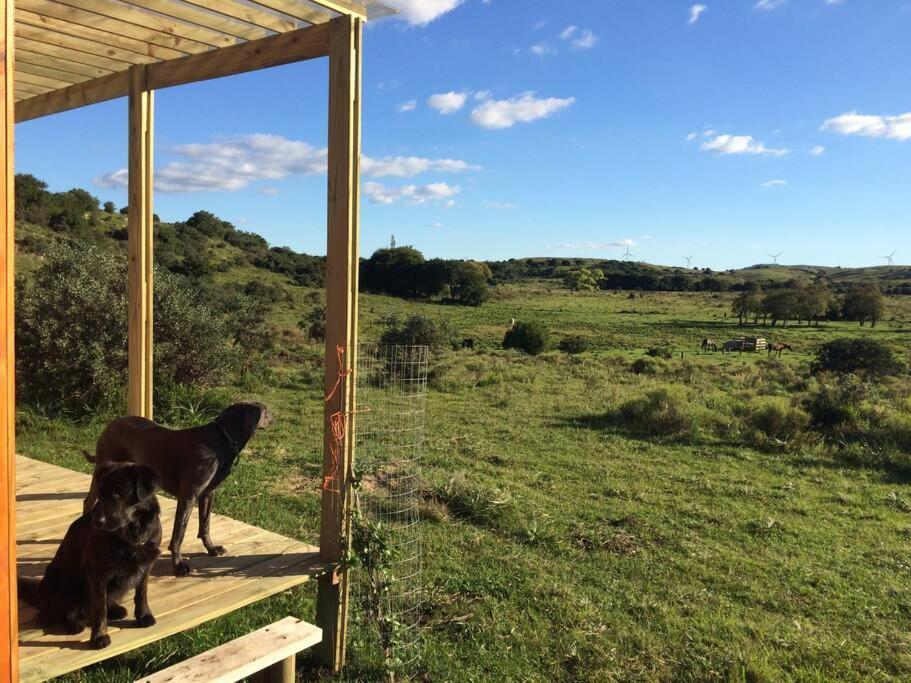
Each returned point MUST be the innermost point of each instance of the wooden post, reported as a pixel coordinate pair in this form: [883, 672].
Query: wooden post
[141, 235]
[9, 617]
[341, 326]
[281, 672]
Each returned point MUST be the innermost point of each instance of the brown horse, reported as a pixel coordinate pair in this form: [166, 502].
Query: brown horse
[778, 347]
[709, 344]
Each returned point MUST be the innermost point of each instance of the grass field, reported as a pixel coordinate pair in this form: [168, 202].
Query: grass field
[561, 544]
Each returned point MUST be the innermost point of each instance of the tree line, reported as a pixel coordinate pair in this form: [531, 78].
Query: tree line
[809, 303]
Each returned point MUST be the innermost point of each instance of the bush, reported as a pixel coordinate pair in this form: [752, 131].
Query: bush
[71, 325]
[646, 366]
[868, 356]
[663, 352]
[837, 404]
[574, 344]
[531, 337]
[661, 411]
[774, 420]
[314, 323]
[418, 330]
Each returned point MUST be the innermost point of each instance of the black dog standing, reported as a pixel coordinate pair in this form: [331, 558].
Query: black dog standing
[106, 552]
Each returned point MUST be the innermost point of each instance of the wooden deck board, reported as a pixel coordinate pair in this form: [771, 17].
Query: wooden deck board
[259, 564]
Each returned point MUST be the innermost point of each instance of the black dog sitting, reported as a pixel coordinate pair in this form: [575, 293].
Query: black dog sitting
[106, 552]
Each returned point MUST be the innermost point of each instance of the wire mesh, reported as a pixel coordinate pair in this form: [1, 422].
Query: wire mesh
[391, 385]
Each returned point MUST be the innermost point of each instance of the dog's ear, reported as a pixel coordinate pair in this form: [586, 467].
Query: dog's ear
[146, 481]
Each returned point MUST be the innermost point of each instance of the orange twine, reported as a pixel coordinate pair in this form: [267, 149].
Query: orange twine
[338, 422]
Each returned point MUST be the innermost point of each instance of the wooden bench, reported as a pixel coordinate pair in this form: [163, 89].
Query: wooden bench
[266, 655]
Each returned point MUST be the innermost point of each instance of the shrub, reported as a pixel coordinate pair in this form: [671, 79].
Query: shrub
[774, 420]
[868, 356]
[661, 411]
[418, 330]
[574, 344]
[837, 404]
[663, 352]
[314, 323]
[71, 325]
[646, 366]
[530, 337]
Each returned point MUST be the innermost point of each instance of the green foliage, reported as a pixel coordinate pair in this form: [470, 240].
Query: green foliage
[574, 344]
[583, 280]
[775, 421]
[862, 303]
[530, 337]
[663, 411]
[664, 352]
[71, 323]
[837, 404]
[314, 323]
[418, 330]
[403, 272]
[863, 355]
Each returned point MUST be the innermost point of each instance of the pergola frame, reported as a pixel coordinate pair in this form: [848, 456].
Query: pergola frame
[336, 32]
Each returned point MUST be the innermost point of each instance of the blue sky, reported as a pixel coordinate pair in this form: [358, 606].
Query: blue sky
[727, 129]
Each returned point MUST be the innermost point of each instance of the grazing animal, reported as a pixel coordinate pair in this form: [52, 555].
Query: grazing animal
[709, 344]
[468, 344]
[106, 552]
[191, 463]
[732, 345]
[778, 347]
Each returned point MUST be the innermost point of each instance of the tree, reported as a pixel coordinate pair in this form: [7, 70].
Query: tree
[813, 302]
[583, 280]
[779, 304]
[862, 303]
[530, 337]
[109, 207]
[468, 282]
[314, 324]
[747, 303]
[393, 271]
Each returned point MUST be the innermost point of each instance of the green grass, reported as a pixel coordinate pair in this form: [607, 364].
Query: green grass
[560, 544]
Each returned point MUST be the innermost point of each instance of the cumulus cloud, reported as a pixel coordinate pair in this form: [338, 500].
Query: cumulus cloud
[818, 150]
[568, 32]
[447, 102]
[412, 194]
[233, 163]
[582, 39]
[422, 12]
[871, 126]
[774, 183]
[695, 12]
[410, 105]
[524, 108]
[740, 144]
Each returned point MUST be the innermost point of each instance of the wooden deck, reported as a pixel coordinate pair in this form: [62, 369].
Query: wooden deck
[259, 564]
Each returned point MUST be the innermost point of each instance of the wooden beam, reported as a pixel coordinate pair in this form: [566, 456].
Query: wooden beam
[206, 19]
[140, 235]
[84, 70]
[117, 58]
[355, 9]
[249, 14]
[341, 327]
[126, 29]
[285, 48]
[63, 52]
[50, 72]
[296, 9]
[9, 617]
[46, 82]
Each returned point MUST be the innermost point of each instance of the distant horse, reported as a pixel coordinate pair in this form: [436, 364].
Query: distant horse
[778, 347]
[709, 344]
[732, 345]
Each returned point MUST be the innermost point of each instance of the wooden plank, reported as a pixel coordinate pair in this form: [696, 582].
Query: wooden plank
[341, 324]
[355, 9]
[117, 58]
[91, 33]
[206, 19]
[78, 56]
[45, 81]
[125, 29]
[61, 63]
[139, 243]
[37, 70]
[296, 9]
[243, 656]
[148, 20]
[249, 14]
[296, 46]
[29, 88]
[9, 618]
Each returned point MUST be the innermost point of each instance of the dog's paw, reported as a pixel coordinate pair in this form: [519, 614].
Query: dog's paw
[217, 551]
[101, 642]
[116, 612]
[145, 621]
[181, 568]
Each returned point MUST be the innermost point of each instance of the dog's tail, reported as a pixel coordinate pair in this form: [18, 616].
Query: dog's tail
[28, 588]
[88, 456]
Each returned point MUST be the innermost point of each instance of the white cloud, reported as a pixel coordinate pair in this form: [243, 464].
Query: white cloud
[542, 49]
[595, 246]
[769, 5]
[408, 167]
[410, 105]
[740, 144]
[586, 41]
[482, 95]
[233, 163]
[412, 194]
[448, 102]
[422, 12]
[500, 205]
[695, 12]
[568, 32]
[691, 137]
[852, 123]
[834, 2]
[523, 108]
[624, 243]
[774, 183]
[818, 150]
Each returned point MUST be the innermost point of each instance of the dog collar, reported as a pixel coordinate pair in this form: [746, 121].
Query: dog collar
[231, 442]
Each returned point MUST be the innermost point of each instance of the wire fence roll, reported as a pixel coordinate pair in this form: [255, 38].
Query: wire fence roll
[389, 425]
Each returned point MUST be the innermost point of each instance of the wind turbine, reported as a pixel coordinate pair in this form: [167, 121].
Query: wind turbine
[890, 257]
[775, 257]
[689, 260]
[627, 255]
